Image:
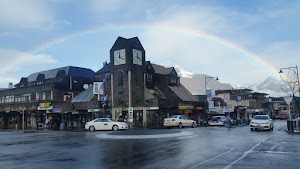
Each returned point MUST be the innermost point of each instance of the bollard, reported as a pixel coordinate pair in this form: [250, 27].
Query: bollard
[16, 126]
[292, 126]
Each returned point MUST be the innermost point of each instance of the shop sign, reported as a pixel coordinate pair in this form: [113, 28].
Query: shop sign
[45, 106]
[225, 110]
[216, 109]
[56, 110]
[185, 107]
[94, 110]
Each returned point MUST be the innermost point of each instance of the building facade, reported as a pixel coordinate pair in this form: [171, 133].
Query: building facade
[43, 95]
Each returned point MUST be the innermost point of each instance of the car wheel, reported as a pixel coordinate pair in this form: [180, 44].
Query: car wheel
[92, 128]
[115, 128]
[180, 125]
[193, 125]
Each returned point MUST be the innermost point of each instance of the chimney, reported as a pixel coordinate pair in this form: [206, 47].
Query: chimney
[10, 85]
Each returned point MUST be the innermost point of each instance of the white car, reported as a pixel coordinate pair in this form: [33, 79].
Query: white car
[105, 124]
[179, 121]
[217, 121]
[261, 122]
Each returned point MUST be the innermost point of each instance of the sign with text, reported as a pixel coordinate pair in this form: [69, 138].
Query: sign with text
[45, 106]
[98, 88]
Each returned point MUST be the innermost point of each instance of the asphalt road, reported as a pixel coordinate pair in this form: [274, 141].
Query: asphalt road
[207, 147]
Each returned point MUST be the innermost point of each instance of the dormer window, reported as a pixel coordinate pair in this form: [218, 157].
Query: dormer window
[61, 73]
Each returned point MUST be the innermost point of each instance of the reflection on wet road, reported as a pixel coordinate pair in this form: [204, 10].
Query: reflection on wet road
[210, 147]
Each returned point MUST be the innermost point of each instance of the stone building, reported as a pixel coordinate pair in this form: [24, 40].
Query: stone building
[128, 82]
[43, 95]
[153, 91]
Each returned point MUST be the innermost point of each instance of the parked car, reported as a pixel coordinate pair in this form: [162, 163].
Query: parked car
[179, 121]
[105, 124]
[261, 122]
[218, 121]
[214, 121]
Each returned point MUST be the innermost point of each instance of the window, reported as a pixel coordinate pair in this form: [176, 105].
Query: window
[104, 120]
[173, 80]
[44, 95]
[2, 99]
[9, 99]
[149, 76]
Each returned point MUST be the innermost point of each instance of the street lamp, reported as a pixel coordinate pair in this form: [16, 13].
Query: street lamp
[207, 79]
[294, 81]
[296, 76]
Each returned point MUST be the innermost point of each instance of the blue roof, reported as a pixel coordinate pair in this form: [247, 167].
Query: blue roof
[70, 71]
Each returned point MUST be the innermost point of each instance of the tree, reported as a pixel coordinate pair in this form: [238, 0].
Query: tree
[291, 85]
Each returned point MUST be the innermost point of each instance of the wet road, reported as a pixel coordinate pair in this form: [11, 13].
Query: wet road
[208, 147]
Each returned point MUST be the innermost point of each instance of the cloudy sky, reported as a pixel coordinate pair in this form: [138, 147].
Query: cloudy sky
[241, 42]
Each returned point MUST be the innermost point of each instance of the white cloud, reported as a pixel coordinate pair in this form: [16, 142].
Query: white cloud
[25, 14]
[12, 60]
[283, 54]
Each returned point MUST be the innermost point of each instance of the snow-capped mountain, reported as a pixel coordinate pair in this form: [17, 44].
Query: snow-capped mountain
[195, 83]
[271, 86]
[183, 73]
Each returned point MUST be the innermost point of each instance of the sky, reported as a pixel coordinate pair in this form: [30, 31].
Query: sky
[241, 42]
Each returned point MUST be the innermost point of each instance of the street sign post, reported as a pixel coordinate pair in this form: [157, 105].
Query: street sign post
[130, 114]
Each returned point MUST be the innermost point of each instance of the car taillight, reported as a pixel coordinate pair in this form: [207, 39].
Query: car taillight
[173, 119]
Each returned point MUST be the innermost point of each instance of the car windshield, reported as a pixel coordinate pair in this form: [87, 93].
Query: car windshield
[261, 118]
[174, 116]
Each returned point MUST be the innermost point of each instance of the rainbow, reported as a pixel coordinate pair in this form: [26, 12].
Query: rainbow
[158, 26]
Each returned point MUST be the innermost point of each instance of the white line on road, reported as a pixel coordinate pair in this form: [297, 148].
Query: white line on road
[245, 154]
[211, 158]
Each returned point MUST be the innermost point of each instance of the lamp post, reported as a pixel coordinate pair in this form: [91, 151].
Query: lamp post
[23, 120]
[293, 81]
[207, 79]
[295, 76]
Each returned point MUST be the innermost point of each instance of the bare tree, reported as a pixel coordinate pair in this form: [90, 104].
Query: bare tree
[291, 84]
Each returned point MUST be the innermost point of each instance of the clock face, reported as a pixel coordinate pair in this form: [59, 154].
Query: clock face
[137, 57]
[119, 57]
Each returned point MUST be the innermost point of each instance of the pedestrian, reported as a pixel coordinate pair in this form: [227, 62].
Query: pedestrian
[47, 123]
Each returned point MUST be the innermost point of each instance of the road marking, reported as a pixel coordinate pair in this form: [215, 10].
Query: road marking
[245, 154]
[211, 158]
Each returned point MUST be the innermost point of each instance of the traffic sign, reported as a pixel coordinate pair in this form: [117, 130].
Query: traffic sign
[130, 114]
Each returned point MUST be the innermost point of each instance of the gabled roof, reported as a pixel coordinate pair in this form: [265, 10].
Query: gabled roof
[148, 67]
[158, 69]
[69, 71]
[183, 93]
[105, 69]
[131, 42]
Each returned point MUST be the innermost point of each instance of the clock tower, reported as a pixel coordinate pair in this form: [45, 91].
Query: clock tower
[127, 57]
